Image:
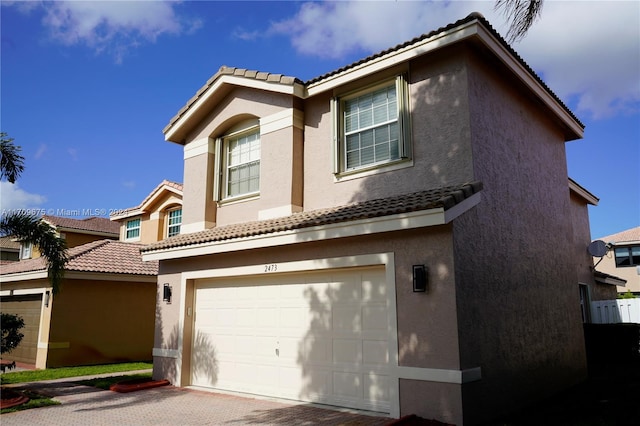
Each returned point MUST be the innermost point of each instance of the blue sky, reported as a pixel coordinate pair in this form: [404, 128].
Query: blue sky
[87, 87]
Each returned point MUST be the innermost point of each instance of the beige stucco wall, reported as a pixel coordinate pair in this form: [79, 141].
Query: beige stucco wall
[74, 239]
[95, 322]
[517, 286]
[440, 140]
[582, 258]
[426, 321]
[280, 187]
[153, 222]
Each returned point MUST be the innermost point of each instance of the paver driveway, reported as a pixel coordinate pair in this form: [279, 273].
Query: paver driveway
[88, 406]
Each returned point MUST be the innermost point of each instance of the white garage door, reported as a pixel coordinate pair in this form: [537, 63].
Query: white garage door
[320, 337]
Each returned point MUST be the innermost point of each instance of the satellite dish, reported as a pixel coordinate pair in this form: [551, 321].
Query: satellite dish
[598, 248]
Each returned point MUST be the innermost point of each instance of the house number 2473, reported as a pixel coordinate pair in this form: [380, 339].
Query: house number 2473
[272, 267]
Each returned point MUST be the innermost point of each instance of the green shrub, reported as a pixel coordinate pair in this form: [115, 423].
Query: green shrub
[11, 336]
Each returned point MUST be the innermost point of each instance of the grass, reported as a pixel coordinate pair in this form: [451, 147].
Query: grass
[106, 382]
[64, 372]
[35, 401]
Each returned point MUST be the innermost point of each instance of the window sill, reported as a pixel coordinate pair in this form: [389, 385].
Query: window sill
[239, 199]
[373, 169]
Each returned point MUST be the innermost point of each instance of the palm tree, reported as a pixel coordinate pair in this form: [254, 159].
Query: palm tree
[27, 227]
[521, 13]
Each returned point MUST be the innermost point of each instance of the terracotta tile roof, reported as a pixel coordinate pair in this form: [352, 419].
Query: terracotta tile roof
[106, 256]
[471, 17]
[93, 224]
[237, 72]
[175, 185]
[9, 243]
[279, 78]
[632, 234]
[445, 197]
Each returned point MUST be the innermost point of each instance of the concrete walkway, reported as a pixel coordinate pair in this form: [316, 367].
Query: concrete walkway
[168, 405]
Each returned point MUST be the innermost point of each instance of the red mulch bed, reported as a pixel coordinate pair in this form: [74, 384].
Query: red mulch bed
[137, 384]
[11, 398]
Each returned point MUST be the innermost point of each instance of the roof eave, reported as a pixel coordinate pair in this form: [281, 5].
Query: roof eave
[467, 31]
[176, 131]
[583, 193]
[396, 222]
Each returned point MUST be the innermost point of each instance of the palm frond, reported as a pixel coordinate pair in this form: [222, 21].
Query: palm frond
[522, 14]
[26, 227]
[11, 162]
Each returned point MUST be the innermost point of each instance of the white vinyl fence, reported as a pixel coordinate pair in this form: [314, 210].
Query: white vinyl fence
[615, 311]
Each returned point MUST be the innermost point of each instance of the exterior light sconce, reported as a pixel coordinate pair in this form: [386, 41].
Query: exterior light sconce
[166, 293]
[420, 278]
[47, 296]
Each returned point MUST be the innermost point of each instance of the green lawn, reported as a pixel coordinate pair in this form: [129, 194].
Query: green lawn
[64, 372]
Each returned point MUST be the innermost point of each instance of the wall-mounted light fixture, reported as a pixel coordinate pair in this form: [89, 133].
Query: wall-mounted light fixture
[166, 293]
[420, 278]
[47, 296]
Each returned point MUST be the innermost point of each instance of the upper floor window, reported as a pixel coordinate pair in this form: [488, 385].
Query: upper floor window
[372, 126]
[133, 229]
[174, 221]
[238, 162]
[627, 256]
[26, 250]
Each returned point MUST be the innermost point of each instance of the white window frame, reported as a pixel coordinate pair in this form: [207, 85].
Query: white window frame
[173, 225]
[403, 119]
[222, 167]
[26, 250]
[133, 228]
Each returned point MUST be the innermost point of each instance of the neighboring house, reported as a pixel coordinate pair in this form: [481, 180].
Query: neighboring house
[159, 215]
[397, 235]
[105, 309]
[104, 312]
[623, 259]
[9, 249]
[75, 232]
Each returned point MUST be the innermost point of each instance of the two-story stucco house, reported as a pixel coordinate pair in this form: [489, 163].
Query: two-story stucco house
[393, 236]
[105, 310]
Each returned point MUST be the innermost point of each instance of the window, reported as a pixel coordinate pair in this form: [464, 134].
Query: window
[133, 229]
[372, 126]
[174, 222]
[238, 165]
[26, 247]
[627, 256]
[585, 305]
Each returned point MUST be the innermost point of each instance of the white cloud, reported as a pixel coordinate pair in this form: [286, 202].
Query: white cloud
[40, 152]
[585, 51]
[113, 27]
[13, 198]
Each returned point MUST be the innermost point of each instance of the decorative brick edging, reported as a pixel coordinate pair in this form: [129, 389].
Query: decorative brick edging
[137, 384]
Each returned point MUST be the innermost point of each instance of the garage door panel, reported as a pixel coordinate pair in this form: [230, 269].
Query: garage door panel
[373, 289]
[319, 337]
[347, 351]
[293, 318]
[29, 308]
[346, 384]
[375, 352]
[346, 318]
[374, 318]
[316, 350]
